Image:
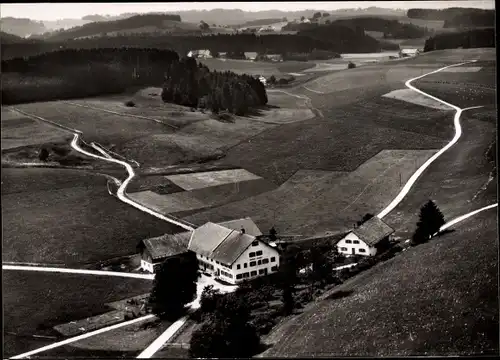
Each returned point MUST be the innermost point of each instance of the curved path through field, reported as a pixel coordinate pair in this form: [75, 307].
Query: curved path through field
[458, 132]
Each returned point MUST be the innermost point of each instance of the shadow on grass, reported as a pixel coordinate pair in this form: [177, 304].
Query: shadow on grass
[339, 294]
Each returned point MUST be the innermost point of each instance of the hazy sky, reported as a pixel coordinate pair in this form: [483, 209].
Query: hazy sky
[54, 11]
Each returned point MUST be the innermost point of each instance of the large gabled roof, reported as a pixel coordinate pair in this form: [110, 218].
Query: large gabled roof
[372, 231]
[232, 247]
[207, 237]
[245, 223]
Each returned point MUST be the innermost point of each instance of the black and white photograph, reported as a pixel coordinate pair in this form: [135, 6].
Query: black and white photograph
[249, 179]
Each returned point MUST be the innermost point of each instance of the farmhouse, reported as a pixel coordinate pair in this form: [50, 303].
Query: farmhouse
[156, 250]
[366, 239]
[231, 254]
[408, 52]
[250, 55]
[204, 54]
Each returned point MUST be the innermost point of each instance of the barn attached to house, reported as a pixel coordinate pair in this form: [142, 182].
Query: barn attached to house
[367, 239]
[156, 250]
[231, 251]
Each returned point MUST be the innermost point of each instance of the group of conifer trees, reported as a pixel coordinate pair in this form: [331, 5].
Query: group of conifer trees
[190, 84]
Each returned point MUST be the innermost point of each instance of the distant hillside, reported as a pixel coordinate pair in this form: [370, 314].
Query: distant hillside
[21, 27]
[342, 38]
[236, 16]
[475, 38]
[444, 14]
[261, 22]
[6, 38]
[391, 28]
[476, 19]
[148, 23]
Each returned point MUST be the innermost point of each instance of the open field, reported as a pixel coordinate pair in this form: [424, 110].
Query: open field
[305, 206]
[359, 128]
[448, 304]
[249, 67]
[18, 130]
[201, 197]
[464, 88]
[68, 217]
[211, 178]
[199, 139]
[59, 298]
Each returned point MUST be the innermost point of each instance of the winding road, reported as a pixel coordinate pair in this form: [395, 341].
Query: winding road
[121, 194]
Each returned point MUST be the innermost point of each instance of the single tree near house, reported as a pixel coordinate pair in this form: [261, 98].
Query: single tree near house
[208, 299]
[430, 221]
[365, 218]
[226, 332]
[316, 15]
[204, 26]
[302, 18]
[273, 234]
[174, 286]
[43, 155]
[351, 65]
[288, 276]
[325, 14]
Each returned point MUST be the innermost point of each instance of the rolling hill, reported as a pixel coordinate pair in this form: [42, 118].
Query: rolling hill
[22, 27]
[149, 23]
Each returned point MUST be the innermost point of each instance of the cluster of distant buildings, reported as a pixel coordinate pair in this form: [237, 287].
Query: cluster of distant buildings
[249, 55]
[236, 251]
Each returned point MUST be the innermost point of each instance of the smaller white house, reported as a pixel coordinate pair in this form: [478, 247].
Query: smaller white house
[231, 251]
[366, 239]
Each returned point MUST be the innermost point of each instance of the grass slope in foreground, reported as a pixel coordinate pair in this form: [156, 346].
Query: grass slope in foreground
[34, 302]
[440, 298]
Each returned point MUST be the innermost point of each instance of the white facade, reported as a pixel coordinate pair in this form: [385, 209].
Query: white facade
[351, 244]
[264, 261]
[147, 266]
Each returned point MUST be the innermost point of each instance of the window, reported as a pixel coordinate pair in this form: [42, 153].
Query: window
[229, 276]
[253, 273]
[252, 263]
[258, 253]
[343, 249]
[348, 242]
[265, 261]
[259, 262]
[274, 268]
[239, 276]
[255, 243]
[356, 241]
[262, 272]
[362, 250]
[245, 265]
[238, 267]
[273, 259]
[252, 254]
[245, 275]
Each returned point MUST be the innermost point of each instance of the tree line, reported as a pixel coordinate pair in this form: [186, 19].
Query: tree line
[333, 38]
[74, 73]
[464, 39]
[456, 17]
[190, 84]
[391, 28]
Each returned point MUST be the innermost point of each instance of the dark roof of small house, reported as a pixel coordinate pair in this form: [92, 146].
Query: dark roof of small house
[167, 245]
[372, 231]
[232, 247]
[245, 223]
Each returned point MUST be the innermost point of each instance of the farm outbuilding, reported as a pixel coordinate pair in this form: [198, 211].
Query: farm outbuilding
[366, 239]
[156, 250]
